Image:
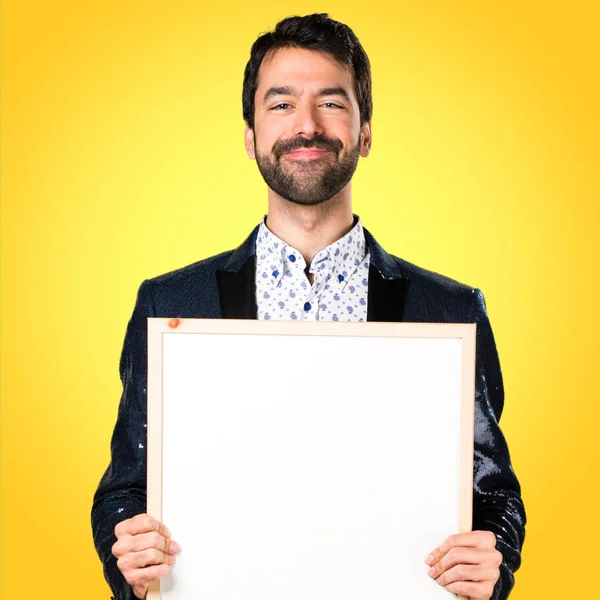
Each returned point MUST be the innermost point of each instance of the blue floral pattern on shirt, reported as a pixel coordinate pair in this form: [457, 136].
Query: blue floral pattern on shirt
[340, 284]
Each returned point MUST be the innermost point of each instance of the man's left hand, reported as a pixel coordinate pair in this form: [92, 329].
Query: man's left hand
[467, 564]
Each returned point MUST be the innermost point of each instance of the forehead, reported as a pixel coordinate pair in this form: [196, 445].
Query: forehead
[302, 67]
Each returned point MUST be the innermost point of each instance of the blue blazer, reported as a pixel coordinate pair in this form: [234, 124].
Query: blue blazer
[223, 286]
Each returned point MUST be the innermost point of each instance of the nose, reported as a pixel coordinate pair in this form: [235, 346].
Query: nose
[306, 121]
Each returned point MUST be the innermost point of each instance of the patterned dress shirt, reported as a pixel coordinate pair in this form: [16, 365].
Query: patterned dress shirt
[340, 284]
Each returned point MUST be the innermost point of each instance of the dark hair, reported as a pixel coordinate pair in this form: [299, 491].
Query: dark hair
[313, 32]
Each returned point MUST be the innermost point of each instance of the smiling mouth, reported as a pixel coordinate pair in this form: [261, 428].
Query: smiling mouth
[306, 153]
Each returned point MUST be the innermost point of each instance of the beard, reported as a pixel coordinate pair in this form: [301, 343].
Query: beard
[312, 181]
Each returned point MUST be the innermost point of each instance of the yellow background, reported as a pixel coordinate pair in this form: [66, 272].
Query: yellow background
[122, 158]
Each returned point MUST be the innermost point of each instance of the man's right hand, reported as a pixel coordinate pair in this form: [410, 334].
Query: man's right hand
[144, 551]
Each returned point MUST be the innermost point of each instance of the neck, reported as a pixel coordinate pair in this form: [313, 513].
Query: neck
[311, 228]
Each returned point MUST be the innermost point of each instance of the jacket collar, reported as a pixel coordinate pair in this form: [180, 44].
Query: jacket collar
[387, 286]
[243, 252]
[387, 266]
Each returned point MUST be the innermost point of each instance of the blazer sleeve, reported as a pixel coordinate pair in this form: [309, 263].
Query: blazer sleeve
[121, 493]
[497, 503]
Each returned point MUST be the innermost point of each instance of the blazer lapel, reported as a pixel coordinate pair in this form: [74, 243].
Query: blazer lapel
[237, 288]
[385, 298]
[237, 291]
[387, 287]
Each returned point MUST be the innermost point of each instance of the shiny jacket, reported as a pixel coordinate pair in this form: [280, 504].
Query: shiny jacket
[223, 286]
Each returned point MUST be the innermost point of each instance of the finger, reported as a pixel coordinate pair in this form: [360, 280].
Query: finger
[145, 558]
[475, 590]
[484, 557]
[149, 574]
[487, 538]
[143, 541]
[468, 573]
[471, 539]
[142, 523]
[171, 547]
[455, 556]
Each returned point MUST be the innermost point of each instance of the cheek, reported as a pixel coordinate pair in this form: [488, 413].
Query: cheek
[266, 134]
[263, 143]
[347, 133]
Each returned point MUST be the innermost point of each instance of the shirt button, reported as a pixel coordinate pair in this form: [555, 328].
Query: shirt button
[292, 258]
[307, 306]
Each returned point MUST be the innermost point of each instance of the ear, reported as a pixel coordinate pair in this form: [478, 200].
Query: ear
[249, 141]
[366, 138]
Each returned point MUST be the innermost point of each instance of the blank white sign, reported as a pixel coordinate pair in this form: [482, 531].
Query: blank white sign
[309, 461]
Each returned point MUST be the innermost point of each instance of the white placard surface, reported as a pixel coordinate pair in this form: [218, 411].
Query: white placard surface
[317, 467]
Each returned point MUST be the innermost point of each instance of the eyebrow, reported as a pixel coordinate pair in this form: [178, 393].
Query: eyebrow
[287, 90]
[334, 91]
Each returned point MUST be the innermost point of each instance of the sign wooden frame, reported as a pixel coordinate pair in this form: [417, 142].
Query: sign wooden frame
[158, 328]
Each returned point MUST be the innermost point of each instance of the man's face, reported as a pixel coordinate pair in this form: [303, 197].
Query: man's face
[307, 135]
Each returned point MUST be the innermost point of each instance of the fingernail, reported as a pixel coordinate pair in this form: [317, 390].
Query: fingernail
[429, 560]
[167, 532]
[175, 548]
[431, 572]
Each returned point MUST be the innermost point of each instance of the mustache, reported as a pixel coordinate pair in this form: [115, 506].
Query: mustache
[282, 147]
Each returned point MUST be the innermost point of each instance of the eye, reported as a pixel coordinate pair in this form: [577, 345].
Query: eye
[332, 105]
[281, 106]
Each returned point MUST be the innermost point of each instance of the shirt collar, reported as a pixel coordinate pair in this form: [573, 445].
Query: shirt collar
[337, 262]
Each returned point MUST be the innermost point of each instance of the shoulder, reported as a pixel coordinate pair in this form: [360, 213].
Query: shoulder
[192, 291]
[430, 295]
[441, 283]
[436, 297]
[230, 260]
[201, 269]
[188, 292]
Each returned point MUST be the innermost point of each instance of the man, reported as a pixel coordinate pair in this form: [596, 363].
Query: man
[307, 107]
